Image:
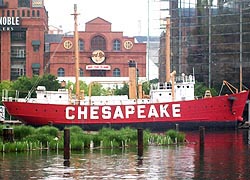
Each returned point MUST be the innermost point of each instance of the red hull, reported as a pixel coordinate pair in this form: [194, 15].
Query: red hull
[221, 109]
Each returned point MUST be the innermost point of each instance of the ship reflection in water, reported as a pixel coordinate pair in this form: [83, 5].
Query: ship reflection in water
[225, 156]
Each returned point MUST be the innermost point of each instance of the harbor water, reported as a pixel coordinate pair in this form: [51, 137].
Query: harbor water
[226, 155]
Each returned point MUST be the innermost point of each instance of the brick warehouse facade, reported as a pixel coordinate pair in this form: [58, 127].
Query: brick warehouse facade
[27, 49]
[23, 25]
[103, 53]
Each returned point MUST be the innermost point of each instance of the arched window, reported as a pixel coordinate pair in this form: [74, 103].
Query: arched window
[116, 45]
[38, 13]
[98, 43]
[116, 72]
[33, 13]
[60, 72]
[81, 72]
[81, 45]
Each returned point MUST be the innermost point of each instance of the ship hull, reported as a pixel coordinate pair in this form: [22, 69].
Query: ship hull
[216, 112]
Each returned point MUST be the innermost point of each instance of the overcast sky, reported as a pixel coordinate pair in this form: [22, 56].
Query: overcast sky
[129, 16]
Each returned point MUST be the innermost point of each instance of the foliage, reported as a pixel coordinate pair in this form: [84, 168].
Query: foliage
[49, 81]
[97, 90]
[200, 88]
[24, 84]
[23, 131]
[124, 90]
[146, 87]
[175, 136]
[48, 130]
[29, 138]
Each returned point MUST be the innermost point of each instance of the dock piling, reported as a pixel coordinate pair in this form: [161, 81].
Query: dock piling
[66, 146]
[202, 136]
[140, 142]
[8, 134]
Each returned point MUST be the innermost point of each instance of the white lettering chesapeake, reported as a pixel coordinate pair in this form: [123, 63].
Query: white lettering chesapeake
[94, 112]
[129, 110]
[153, 112]
[69, 115]
[141, 111]
[83, 112]
[163, 110]
[106, 112]
[118, 113]
[176, 109]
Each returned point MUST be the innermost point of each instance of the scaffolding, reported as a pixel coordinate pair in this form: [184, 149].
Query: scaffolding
[213, 38]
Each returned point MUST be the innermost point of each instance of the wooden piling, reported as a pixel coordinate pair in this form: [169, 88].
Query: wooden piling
[140, 142]
[8, 134]
[66, 146]
[202, 136]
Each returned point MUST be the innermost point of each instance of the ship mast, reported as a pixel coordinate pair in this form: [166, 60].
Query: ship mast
[168, 49]
[76, 39]
[170, 77]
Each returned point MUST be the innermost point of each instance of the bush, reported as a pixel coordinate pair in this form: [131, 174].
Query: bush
[175, 135]
[23, 131]
[48, 130]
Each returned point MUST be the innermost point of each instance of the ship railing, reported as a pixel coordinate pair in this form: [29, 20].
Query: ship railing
[184, 78]
[157, 86]
[6, 97]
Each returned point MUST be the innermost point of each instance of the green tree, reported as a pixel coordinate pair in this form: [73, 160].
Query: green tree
[124, 90]
[200, 88]
[98, 90]
[23, 85]
[49, 81]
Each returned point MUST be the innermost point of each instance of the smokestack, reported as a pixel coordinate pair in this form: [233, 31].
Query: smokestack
[132, 79]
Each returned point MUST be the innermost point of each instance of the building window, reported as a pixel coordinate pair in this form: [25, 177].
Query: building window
[28, 13]
[23, 13]
[17, 36]
[81, 45]
[81, 72]
[98, 73]
[98, 43]
[16, 72]
[23, 3]
[116, 72]
[8, 12]
[13, 13]
[36, 45]
[47, 47]
[116, 45]
[35, 68]
[38, 13]
[60, 72]
[33, 13]
[18, 52]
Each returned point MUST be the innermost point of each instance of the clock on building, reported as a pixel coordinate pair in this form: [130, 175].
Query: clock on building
[67, 44]
[128, 45]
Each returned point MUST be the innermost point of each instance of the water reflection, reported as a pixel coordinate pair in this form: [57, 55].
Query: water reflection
[225, 156]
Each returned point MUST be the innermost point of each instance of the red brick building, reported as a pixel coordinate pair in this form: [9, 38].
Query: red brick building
[26, 48]
[23, 25]
[103, 53]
